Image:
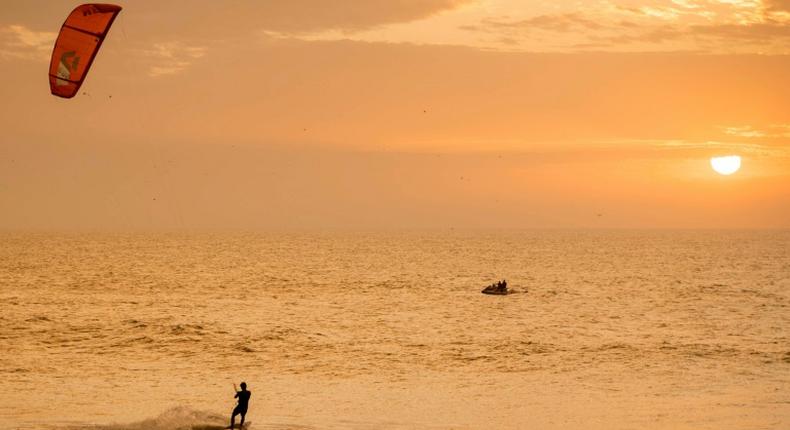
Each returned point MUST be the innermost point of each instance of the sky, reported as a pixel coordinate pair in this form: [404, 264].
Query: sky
[410, 114]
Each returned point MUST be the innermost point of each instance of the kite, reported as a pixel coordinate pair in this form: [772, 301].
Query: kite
[79, 40]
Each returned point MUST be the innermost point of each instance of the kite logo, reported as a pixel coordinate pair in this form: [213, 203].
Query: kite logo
[68, 64]
[90, 10]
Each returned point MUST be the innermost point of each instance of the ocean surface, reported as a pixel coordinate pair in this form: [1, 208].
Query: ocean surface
[605, 330]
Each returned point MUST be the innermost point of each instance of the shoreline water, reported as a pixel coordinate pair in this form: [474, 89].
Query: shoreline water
[624, 330]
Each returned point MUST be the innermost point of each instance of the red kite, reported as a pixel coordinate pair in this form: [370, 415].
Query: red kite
[78, 42]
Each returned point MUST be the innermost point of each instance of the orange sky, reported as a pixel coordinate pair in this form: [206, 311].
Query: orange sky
[401, 114]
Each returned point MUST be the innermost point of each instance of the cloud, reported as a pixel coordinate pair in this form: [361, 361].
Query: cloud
[172, 57]
[714, 26]
[511, 33]
[557, 22]
[18, 41]
[745, 131]
[686, 4]
[716, 36]
[229, 19]
[773, 131]
[598, 32]
[759, 32]
[312, 15]
[683, 148]
[741, 21]
[667, 13]
[191, 17]
[674, 11]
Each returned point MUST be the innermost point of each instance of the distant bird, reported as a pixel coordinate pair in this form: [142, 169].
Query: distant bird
[598, 214]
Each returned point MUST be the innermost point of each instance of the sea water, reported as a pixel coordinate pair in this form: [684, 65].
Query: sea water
[604, 330]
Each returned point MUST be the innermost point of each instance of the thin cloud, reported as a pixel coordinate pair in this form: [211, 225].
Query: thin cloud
[760, 32]
[673, 11]
[558, 22]
[687, 25]
[773, 131]
[727, 147]
[201, 20]
[682, 147]
[311, 15]
[741, 22]
[172, 57]
[18, 41]
[722, 35]
[686, 4]
[666, 13]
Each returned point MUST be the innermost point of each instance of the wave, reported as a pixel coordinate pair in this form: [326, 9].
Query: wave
[176, 418]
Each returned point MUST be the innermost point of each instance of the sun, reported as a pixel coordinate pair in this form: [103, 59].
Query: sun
[726, 165]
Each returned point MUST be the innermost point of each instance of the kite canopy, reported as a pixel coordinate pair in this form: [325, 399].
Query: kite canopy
[78, 42]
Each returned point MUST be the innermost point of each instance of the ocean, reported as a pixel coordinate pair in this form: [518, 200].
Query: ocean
[605, 329]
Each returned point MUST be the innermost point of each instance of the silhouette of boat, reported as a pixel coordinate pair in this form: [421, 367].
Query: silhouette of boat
[496, 290]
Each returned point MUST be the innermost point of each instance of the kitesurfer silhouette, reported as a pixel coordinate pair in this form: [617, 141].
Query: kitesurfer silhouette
[241, 407]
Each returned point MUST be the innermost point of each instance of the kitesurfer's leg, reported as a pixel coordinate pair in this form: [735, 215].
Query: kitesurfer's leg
[233, 418]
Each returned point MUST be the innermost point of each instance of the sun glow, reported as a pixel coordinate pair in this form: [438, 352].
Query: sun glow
[726, 165]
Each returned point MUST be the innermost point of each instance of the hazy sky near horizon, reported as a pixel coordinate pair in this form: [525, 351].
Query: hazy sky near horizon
[401, 114]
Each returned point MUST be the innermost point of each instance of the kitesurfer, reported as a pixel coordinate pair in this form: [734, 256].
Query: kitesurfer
[241, 407]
